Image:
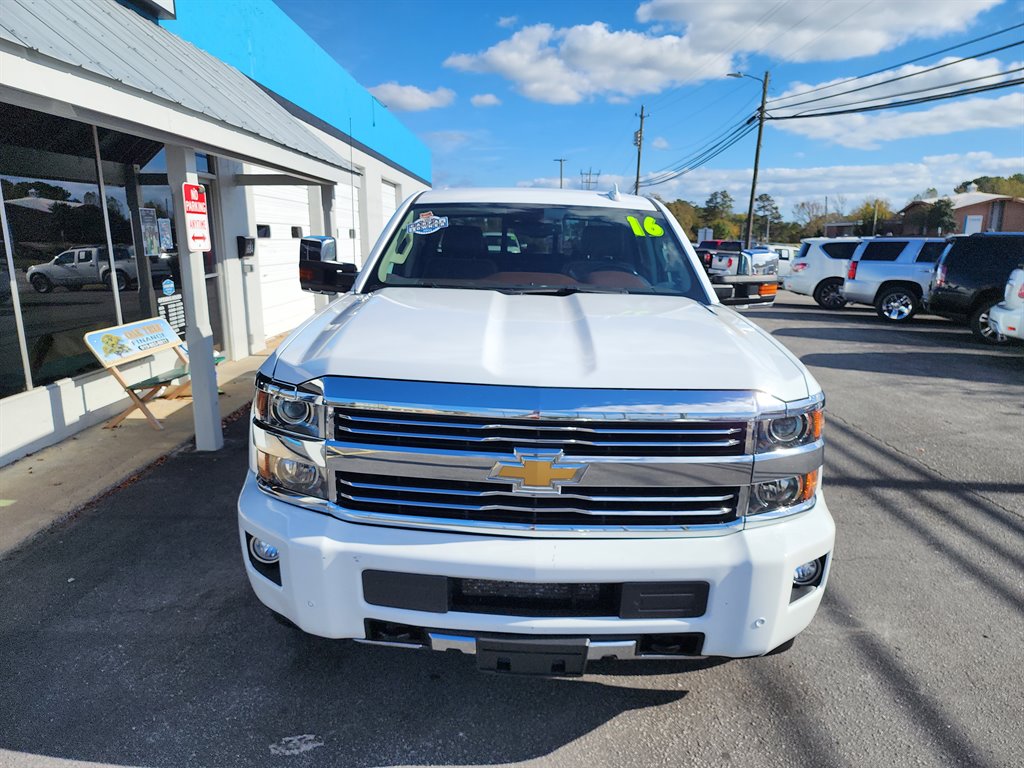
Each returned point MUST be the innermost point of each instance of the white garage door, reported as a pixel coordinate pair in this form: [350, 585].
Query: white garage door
[280, 208]
[388, 201]
[346, 214]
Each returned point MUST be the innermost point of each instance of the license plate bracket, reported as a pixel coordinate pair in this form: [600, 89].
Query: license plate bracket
[547, 657]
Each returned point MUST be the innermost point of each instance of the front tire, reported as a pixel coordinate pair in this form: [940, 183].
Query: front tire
[897, 305]
[981, 327]
[41, 283]
[121, 278]
[829, 294]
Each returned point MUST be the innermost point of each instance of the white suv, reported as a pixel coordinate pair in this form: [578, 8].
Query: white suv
[1007, 317]
[819, 269]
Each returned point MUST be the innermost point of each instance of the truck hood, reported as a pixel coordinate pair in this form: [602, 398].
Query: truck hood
[595, 341]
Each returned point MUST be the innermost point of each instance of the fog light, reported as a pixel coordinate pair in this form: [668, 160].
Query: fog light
[263, 551]
[807, 574]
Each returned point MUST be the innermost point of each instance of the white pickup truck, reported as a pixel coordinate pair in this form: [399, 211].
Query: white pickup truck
[84, 265]
[542, 456]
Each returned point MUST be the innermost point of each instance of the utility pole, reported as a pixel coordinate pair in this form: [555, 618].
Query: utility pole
[757, 159]
[561, 166]
[638, 141]
[587, 180]
[874, 221]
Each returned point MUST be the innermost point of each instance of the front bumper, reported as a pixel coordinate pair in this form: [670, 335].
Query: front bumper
[749, 609]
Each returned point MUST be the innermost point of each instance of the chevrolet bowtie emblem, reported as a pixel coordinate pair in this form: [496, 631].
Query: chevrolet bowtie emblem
[538, 471]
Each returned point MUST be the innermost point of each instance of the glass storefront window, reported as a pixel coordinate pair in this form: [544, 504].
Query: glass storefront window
[66, 280]
[12, 374]
[52, 200]
[136, 219]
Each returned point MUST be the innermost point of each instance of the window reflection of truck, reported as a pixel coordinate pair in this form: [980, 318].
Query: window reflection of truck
[85, 265]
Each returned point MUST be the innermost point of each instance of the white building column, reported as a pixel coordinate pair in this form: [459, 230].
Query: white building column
[321, 221]
[181, 169]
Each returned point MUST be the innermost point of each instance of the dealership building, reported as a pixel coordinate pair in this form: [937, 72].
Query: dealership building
[107, 109]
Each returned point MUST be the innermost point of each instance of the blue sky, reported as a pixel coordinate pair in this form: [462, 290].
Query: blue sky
[498, 90]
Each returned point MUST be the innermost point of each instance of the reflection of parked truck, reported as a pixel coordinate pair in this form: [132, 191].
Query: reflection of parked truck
[85, 265]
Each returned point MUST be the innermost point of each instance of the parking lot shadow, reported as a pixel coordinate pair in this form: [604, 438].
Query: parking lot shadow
[130, 636]
[869, 332]
[979, 367]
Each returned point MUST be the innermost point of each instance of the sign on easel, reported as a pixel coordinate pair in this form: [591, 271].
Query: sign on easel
[197, 223]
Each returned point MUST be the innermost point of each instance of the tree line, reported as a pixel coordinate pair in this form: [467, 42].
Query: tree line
[874, 214]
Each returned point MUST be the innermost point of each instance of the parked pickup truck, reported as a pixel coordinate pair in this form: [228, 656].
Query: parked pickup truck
[706, 249]
[85, 265]
[749, 272]
[892, 274]
[544, 457]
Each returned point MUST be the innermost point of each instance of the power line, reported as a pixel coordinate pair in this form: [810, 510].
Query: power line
[747, 106]
[901, 64]
[907, 103]
[902, 77]
[702, 159]
[587, 180]
[701, 148]
[919, 90]
[725, 136]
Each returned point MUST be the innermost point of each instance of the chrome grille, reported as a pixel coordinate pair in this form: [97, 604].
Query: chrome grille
[578, 506]
[575, 437]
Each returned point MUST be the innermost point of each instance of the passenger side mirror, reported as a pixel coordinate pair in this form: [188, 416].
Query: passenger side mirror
[319, 268]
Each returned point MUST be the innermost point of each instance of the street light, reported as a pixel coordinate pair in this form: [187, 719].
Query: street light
[757, 152]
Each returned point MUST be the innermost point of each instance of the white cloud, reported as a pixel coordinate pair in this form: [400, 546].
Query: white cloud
[507, 21]
[409, 98]
[898, 182]
[804, 30]
[568, 65]
[869, 131]
[485, 100]
[660, 142]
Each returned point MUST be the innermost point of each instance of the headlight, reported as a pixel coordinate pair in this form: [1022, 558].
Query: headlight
[290, 475]
[791, 430]
[289, 409]
[784, 494]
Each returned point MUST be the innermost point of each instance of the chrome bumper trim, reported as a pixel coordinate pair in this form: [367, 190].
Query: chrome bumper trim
[622, 650]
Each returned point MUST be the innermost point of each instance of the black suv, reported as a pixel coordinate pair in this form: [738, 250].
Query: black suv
[970, 278]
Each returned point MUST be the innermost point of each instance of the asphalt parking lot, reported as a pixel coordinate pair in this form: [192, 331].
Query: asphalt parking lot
[129, 635]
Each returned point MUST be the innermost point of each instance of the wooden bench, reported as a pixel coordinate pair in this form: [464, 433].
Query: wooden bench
[122, 344]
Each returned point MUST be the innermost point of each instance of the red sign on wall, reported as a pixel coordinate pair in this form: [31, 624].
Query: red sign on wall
[197, 223]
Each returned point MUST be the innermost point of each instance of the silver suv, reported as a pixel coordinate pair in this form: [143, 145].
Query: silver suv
[892, 274]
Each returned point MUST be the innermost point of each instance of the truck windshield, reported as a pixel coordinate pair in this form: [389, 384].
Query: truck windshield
[536, 249]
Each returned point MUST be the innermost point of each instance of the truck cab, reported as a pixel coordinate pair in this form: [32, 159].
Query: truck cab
[539, 458]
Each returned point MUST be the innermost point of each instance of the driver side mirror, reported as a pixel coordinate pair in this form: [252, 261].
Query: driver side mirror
[319, 268]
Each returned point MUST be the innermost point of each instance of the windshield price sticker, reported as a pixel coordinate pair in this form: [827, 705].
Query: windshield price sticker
[650, 227]
[427, 223]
